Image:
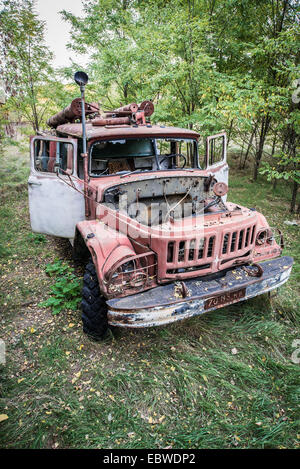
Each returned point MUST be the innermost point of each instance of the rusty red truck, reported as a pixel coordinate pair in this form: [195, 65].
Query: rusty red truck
[147, 212]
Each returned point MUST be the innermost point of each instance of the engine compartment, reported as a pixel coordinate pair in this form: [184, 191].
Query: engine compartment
[153, 201]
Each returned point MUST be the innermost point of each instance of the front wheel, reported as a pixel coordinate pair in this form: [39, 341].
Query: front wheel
[94, 309]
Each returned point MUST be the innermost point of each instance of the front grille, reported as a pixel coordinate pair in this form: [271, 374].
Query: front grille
[190, 251]
[237, 240]
[205, 254]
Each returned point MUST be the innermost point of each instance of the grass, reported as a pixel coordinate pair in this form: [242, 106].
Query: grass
[223, 380]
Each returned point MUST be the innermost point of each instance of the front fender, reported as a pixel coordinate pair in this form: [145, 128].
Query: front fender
[267, 250]
[105, 245]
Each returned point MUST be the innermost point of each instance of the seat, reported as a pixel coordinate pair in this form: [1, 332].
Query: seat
[115, 166]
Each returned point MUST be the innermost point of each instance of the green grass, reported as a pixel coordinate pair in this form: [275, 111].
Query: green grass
[223, 380]
[14, 165]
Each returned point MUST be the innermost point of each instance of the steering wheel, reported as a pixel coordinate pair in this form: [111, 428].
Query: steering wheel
[175, 154]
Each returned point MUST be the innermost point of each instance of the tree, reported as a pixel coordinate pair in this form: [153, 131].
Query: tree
[147, 49]
[286, 164]
[207, 64]
[257, 40]
[25, 60]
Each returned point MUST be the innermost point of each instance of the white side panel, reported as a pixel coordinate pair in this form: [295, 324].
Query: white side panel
[55, 208]
[221, 174]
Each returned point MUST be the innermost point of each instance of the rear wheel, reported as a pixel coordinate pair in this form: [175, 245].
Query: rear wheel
[94, 309]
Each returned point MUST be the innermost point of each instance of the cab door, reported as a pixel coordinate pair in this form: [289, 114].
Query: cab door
[216, 157]
[54, 206]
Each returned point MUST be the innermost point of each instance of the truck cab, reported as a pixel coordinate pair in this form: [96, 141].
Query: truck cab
[112, 153]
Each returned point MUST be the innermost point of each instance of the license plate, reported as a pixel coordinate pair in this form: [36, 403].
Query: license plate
[225, 299]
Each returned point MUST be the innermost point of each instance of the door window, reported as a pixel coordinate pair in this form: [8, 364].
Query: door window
[52, 156]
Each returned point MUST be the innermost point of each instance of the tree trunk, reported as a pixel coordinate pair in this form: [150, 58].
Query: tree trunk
[294, 197]
[272, 154]
[249, 146]
[274, 144]
[229, 133]
[265, 123]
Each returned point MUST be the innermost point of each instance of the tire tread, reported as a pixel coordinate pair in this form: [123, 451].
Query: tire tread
[93, 305]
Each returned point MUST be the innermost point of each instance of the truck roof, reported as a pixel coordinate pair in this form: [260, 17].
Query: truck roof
[115, 131]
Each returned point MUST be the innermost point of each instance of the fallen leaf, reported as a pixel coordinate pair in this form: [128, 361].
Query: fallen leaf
[3, 417]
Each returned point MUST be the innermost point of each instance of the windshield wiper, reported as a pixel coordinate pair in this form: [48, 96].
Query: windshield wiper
[128, 173]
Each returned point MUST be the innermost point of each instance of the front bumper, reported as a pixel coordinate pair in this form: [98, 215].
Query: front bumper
[166, 304]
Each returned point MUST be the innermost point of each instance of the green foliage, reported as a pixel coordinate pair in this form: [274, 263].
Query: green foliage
[199, 73]
[66, 291]
[24, 60]
[37, 238]
[276, 173]
[179, 53]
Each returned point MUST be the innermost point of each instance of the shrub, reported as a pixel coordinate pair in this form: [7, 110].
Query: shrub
[66, 291]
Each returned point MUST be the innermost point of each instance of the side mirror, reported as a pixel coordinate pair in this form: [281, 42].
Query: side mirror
[81, 78]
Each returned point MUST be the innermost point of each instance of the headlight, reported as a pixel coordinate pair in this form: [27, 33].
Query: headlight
[135, 273]
[264, 236]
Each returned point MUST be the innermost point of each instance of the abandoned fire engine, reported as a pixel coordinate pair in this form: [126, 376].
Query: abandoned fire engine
[148, 215]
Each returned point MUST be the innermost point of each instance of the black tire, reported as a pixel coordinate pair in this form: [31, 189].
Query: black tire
[93, 305]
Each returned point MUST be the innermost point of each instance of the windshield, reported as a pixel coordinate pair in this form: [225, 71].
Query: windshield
[145, 154]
